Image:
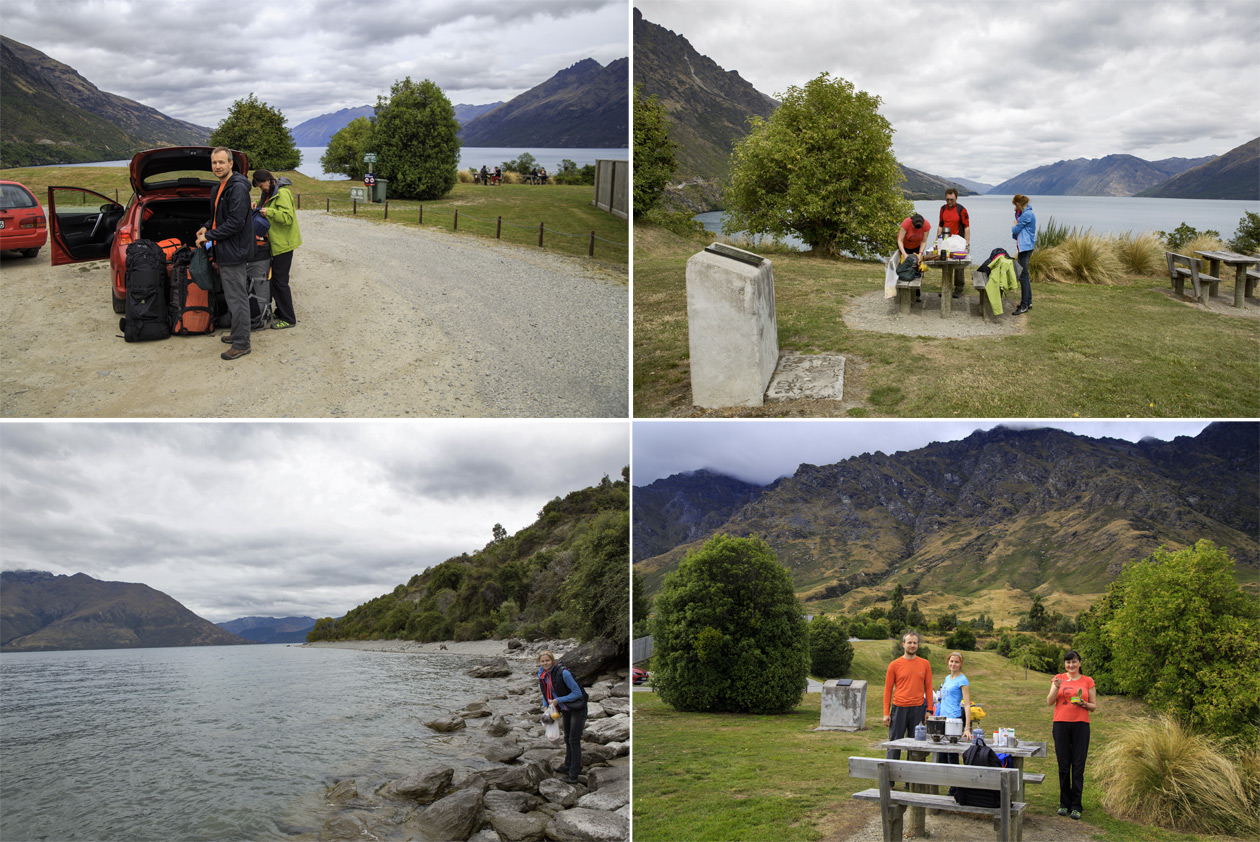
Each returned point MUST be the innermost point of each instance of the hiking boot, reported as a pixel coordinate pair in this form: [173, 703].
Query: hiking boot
[1076, 814]
[226, 339]
[1063, 811]
[234, 353]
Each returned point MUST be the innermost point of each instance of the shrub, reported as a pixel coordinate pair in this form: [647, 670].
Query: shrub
[1179, 238]
[1208, 241]
[1081, 258]
[464, 177]
[830, 652]
[728, 634]
[417, 138]
[1141, 255]
[1162, 773]
[683, 223]
[1247, 237]
[877, 630]
[963, 640]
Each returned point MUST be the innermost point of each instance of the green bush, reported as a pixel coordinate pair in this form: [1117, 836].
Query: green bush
[1181, 236]
[830, 652]
[1164, 774]
[1247, 238]
[875, 630]
[964, 640]
[417, 140]
[728, 634]
[654, 161]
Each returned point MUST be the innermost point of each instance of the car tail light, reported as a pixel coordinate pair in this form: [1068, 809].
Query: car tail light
[124, 236]
[33, 222]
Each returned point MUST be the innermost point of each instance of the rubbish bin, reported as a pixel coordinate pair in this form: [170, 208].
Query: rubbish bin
[378, 190]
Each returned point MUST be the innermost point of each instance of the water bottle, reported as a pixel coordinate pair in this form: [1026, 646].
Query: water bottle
[977, 733]
[920, 732]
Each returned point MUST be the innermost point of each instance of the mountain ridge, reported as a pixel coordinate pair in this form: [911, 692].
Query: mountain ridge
[1112, 175]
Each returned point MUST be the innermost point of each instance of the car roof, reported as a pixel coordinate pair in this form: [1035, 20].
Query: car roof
[153, 162]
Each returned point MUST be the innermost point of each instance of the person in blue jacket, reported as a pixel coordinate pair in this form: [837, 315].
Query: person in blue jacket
[559, 686]
[1024, 232]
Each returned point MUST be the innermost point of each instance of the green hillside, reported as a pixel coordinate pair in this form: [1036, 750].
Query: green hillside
[562, 576]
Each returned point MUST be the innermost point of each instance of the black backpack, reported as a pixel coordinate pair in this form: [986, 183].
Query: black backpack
[908, 268]
[144, 315]
[979, 755]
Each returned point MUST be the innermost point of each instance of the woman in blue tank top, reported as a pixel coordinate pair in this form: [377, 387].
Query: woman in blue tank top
[955, 701]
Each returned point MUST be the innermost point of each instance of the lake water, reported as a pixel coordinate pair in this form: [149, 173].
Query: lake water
[208, 743]
[992, 216]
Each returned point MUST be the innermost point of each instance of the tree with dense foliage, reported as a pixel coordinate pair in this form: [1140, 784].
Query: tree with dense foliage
[654, 161]
[417, 140]
[728, 634]
[571, 173]
[820, 168]
[598, 588]
[830, 652]
[1186, 640]
[347, 147]
[259, 131]
[964, 639]
[522, 165]
[1247, 236]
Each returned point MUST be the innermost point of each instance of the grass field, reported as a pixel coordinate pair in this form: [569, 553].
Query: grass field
[1088, 351]
[740, 777]
[565, 211]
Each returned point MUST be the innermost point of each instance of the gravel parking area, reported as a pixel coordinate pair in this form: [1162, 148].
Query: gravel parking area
[392, 322]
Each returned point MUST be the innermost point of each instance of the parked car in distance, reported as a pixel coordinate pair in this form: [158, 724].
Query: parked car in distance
[173, 195]
[639, 676]
[22, 224]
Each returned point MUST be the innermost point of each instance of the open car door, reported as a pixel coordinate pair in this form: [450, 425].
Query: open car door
[81, 224]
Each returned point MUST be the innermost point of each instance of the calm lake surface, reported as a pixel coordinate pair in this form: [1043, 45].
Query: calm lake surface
[209, 743]
[993, 216]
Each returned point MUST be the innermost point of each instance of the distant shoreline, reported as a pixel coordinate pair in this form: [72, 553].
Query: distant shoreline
[475, 648]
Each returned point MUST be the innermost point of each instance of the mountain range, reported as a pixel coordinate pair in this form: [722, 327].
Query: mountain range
[40, 611]
[1113, 175]
[1234, 175]
[317, 131]
[985, 521]
[270, 629]
[49, 114]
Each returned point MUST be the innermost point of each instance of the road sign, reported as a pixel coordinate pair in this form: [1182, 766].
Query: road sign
[359, 193]
[369, 158]
[369, 179]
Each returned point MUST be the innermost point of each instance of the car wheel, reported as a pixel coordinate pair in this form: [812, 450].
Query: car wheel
[30, 252]
[120, 304]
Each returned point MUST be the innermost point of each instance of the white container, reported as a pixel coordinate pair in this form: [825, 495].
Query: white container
[953, 727]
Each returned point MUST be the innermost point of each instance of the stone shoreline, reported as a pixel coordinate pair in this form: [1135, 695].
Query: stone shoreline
[503, 787]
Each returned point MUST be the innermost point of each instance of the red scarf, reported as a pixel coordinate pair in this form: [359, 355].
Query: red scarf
[549, 692]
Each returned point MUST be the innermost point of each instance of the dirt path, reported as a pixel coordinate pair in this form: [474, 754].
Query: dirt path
[393, 322]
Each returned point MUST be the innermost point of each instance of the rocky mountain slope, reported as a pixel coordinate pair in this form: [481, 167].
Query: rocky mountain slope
[1113, 175]
[317, 131]
[1234, 175]
[270, 629]
[1002, 511]
[684, 507]
[49, 114]
[586, 105]
[40, 611]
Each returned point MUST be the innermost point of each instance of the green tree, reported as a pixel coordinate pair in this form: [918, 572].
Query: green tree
[347, 147]
[915, 619]
[259, 131]
[417, 140]
[728, 634]
[1186, 639]
[964, 639]
[1183, 234]
[654, 161]
[1247, 237]
[598, 590]
[830, 652]
[1037, 614]
[821, 168]
[522, 165]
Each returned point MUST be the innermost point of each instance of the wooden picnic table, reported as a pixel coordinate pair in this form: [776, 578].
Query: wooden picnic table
[949, 268]
[1240, 262]
[921, 749]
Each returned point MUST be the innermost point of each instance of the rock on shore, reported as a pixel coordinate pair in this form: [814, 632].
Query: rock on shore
[505, 789]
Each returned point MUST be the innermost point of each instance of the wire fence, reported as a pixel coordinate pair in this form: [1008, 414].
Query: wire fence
[498, 227]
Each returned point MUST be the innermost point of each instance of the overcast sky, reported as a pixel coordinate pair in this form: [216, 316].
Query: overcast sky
[986, 90]
[192, 60]
[281, 519]
[762, 451]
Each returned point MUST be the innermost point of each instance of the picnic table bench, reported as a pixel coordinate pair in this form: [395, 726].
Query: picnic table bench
[979, 281]
[905, 294]
[1008, 817]
[1244, 277]
[1181, 267]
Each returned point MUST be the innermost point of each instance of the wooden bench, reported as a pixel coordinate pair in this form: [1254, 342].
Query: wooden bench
[985, 310]
[1008, 818]
[1181, 267]
[905, 294]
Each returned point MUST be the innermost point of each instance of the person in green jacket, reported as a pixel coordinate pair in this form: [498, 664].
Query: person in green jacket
[277, 206]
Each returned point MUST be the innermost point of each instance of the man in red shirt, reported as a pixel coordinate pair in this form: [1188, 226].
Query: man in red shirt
[908, 686]
[954, 217]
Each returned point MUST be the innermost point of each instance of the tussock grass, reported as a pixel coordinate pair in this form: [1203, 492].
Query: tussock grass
[1141, 254]
[1080, 259]
[1203, 242]
[1163, 773]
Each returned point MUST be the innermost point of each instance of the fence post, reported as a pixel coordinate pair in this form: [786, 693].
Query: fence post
[299, 201]
[421, 221]
[115, 194]
[387, 208]
[456, 228]
[326, 200]
[540, 230]
[498, 231]
[355, 210]
[591, 253]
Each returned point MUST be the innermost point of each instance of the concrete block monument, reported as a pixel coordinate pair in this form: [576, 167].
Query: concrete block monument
[732, 330]
[843, 706]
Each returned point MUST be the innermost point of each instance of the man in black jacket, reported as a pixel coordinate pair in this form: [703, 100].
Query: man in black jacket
[232, 232]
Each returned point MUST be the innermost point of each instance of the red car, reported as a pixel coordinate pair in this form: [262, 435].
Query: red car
[639, 676]
[173, 197]
[22, 224]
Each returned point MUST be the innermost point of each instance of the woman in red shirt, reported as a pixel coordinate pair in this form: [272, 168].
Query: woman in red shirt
[1073, 697]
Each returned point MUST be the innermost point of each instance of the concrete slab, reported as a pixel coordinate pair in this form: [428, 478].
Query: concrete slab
[817, 376]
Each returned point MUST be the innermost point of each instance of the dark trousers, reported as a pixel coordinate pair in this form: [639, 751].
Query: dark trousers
[1025, 282]
[572, 722]
[280, 265]
[902, 724]
[1071, 745]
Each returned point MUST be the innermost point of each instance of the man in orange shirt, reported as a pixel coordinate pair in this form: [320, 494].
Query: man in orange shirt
[911, 676]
